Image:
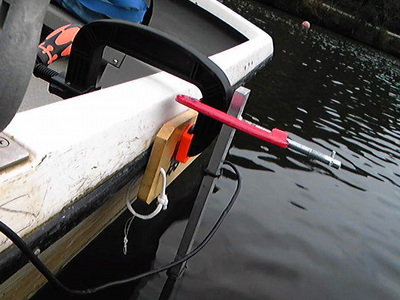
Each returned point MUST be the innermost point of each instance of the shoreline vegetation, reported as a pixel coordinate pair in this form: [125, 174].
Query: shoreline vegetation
[373, 22]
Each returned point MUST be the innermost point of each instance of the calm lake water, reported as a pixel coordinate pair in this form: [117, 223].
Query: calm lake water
[299, 230]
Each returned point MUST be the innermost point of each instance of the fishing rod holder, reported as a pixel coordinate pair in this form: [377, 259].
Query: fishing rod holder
[217, 158]
[231, 120]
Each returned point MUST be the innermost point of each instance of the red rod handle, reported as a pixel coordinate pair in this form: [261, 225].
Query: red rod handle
[276, 137]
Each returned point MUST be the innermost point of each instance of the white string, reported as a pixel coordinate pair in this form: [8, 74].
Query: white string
[128, 224]
[162, 199]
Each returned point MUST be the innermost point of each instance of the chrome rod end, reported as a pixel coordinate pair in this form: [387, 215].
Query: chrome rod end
[329, 160]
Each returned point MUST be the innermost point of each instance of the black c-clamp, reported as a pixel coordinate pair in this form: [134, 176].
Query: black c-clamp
[152, 47]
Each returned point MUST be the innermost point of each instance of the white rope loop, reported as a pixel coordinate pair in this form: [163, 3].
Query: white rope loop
[162, 200]
[128, 224]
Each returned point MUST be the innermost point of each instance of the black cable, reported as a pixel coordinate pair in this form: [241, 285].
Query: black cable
[19, 242]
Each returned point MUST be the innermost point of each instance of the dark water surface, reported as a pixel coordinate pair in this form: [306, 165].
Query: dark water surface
[299, 230]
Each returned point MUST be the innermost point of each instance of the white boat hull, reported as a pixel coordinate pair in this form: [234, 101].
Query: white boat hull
[78, 144]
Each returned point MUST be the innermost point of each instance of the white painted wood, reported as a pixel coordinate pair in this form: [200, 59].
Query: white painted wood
[239, 61]
[78, 143]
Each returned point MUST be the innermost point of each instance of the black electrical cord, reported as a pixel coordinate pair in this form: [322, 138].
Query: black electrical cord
[19, 242]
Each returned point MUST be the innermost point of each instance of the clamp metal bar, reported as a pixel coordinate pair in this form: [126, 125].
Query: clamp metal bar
[217, 157]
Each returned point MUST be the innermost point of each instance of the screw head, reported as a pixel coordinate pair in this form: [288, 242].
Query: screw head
[3, 142]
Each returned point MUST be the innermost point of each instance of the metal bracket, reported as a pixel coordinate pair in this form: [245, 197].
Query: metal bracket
[218, 156]
[10, 152]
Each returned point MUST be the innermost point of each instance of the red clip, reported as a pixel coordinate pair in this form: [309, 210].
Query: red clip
[184, 145]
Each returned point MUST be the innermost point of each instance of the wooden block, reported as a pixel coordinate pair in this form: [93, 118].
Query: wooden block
[161, 156]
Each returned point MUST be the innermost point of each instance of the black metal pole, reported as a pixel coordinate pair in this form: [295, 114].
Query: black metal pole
[221, 148]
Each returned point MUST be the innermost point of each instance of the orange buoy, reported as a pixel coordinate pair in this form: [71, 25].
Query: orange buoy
[306, 24]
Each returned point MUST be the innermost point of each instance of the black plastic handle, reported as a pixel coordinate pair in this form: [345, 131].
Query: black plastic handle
[157, 49]
[18, 43]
